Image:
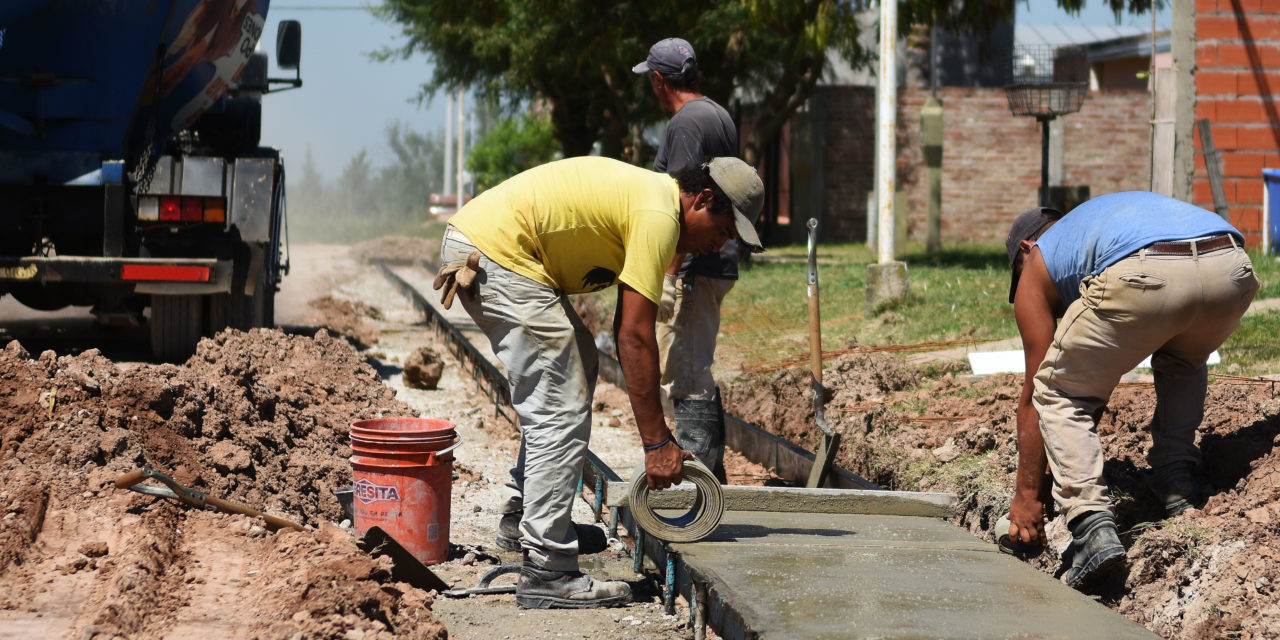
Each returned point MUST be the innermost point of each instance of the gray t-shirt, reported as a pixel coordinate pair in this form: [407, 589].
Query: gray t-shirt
[701, 129]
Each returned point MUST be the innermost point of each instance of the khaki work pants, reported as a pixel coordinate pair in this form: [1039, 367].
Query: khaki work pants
[1177, 309]
[551, 364]
[687, 342]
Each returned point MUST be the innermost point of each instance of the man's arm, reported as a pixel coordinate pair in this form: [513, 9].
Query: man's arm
[1034, 308]
[638, 355]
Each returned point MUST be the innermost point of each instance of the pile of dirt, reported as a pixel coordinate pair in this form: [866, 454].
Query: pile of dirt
[347, 318]
[397, 250]
[1206, 573]
[255, 417]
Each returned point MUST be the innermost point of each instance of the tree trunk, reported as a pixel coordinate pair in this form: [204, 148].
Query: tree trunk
[575, 136]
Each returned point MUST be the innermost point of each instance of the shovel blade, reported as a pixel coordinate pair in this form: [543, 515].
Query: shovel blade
[822, 460]
[404, 567]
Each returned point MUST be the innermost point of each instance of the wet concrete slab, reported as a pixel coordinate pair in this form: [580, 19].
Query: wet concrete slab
[817, 576]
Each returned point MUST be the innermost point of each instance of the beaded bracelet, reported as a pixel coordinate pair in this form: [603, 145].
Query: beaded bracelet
[659, 445]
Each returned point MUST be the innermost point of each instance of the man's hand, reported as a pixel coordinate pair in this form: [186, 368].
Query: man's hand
[664, 466]
[1026, 520]
[670, 291]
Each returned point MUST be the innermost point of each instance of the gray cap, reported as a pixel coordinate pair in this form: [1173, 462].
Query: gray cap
[1026, 226]
[742, 184]
[670, 57]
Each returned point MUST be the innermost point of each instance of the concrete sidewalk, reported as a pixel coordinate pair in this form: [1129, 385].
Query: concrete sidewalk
[807, 575]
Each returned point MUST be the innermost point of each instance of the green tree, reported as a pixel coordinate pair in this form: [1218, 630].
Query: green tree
[367, 201]
[514, 144]
[577, 54]
[307, 191]
[355, 186]
[406, 184]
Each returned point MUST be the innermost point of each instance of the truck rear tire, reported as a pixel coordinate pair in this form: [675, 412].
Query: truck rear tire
[176, 326]
[238, 310]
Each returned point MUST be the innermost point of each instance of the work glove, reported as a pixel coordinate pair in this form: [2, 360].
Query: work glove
[457, 276]
[670, 291]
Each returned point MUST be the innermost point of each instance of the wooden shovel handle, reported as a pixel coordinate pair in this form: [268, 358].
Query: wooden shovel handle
[233, 507]
[129, 479]
[138, 475]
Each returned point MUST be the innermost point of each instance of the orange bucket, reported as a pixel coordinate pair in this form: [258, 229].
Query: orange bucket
[402, 472]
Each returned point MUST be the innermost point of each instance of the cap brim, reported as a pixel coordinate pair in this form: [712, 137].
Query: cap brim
[1013, 286]
[747, 231]
[643, 67]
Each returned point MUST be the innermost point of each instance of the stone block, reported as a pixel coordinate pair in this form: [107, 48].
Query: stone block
[886, 284]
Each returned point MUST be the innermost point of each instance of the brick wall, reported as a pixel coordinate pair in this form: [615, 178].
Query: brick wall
[991, 158]
[1237, 84]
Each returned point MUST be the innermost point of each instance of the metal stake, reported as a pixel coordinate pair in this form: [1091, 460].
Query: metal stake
[699, 606]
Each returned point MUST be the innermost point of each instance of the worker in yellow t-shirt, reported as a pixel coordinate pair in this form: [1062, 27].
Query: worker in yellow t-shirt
[513, 254]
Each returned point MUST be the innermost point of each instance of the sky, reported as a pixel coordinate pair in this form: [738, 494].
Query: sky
[347, 101]
[1094, 14]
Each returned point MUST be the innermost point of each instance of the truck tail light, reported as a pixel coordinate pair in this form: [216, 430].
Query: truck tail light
[170, 209]
[215, 210]
[149, 209]
[192, 210]
[182, 209]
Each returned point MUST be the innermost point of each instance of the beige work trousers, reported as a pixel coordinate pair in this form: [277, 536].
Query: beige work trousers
[687, 342]
[551, 364]
[1177, 309]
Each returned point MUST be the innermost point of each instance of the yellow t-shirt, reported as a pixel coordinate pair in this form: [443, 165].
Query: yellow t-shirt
[579, 224]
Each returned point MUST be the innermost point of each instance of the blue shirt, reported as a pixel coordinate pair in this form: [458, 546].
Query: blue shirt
[1106, 229]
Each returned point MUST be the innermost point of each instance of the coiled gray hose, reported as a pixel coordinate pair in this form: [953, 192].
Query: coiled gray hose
[698, 523]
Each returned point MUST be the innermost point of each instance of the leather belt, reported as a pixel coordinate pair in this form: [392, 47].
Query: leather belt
[1191, 247]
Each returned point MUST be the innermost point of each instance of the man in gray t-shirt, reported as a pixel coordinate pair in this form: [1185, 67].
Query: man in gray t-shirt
[695, 285]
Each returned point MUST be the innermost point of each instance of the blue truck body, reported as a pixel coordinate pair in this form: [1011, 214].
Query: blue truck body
[131, 176]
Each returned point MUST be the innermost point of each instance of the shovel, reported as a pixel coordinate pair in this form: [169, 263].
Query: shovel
[193, 498]
[830, 440]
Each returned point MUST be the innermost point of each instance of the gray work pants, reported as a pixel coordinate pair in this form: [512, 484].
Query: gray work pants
[687, 342]
[551, 364]
[1177, 309]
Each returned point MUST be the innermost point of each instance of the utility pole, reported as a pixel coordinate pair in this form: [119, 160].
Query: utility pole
[471, 135]
[886, 126]
[886, 280]
[462, 135]
[448, 141]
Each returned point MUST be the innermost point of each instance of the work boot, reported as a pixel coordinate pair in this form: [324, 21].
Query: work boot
[540, 588]
[1177, 487]
[700, 431]
[1096, 553]
[591, 539]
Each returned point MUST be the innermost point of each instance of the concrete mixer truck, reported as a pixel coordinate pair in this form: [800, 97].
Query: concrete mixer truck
[132, 180]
